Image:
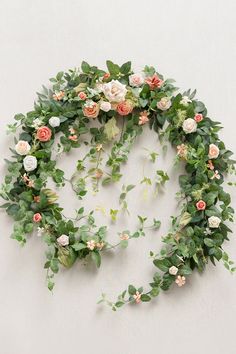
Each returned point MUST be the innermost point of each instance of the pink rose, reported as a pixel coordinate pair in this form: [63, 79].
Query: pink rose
[213, 151]
[154, 81]
[63, 240]
[124, 108]
[198, 117]
[91, 109]
[82, 96]
[201, 205]
[136, 80]
[44, 134]
[37, 217]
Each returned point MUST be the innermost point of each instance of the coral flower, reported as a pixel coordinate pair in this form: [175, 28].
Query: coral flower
[201, 205]
[58, 96]
[44, 134]
[154, 81]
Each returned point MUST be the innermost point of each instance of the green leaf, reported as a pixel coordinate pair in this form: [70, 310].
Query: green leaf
[162, 264]
[85, 67]
[29, 227]
[79, 246]
[96, 257]
[185, 270]
[185, 219]
[124, 243]
[110, 129]
[113, 69]
[145, 298]
[130, 187]
[50, 285]
[54, 265]
[125, 68]
[131, 290]
[209, 242]
[66, 256]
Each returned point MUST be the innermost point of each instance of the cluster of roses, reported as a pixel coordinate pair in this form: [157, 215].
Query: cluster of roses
[114, 96]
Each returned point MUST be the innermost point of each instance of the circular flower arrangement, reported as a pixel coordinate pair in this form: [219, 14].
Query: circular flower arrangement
[68, 111]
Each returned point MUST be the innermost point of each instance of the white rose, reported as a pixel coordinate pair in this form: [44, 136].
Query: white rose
[173, 270]
[164, 103]
[30, 163]
[214, 222]
[22, 147]
[136, 80]
[63, 240]
[189, 126]
[54, 122]
[185, 101]
[114, 91]
[213, 151]
[105, 106]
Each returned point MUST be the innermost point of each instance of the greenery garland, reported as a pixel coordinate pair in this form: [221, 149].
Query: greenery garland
[68, 110]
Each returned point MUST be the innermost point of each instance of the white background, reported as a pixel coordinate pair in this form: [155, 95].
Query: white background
[192, 41]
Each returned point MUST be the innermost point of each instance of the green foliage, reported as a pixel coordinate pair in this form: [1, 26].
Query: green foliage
[191, 241]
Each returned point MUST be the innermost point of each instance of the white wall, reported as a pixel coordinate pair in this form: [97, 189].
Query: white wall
[191, 41]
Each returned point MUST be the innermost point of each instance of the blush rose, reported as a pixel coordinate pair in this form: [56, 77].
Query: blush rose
[91, 109]
[124, 108]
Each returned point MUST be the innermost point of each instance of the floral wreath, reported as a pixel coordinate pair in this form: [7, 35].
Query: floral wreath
[68, 110]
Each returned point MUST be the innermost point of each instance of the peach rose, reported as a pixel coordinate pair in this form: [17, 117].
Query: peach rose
[124, 108]
[22, 147]
[58, 95]
[213, 151]
[36, 198]
[73, 137]
[82, 95]
[143, 118]
[44, 134]
[182, 151]
[198, 117]
[91, 109]
[154, 81]
[164, 103]
[37, 217]
[201, 205]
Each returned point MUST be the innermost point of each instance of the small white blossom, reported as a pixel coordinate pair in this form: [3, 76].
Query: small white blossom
[37, 123]
[40, 231]
[185, 101]
[207, 231]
